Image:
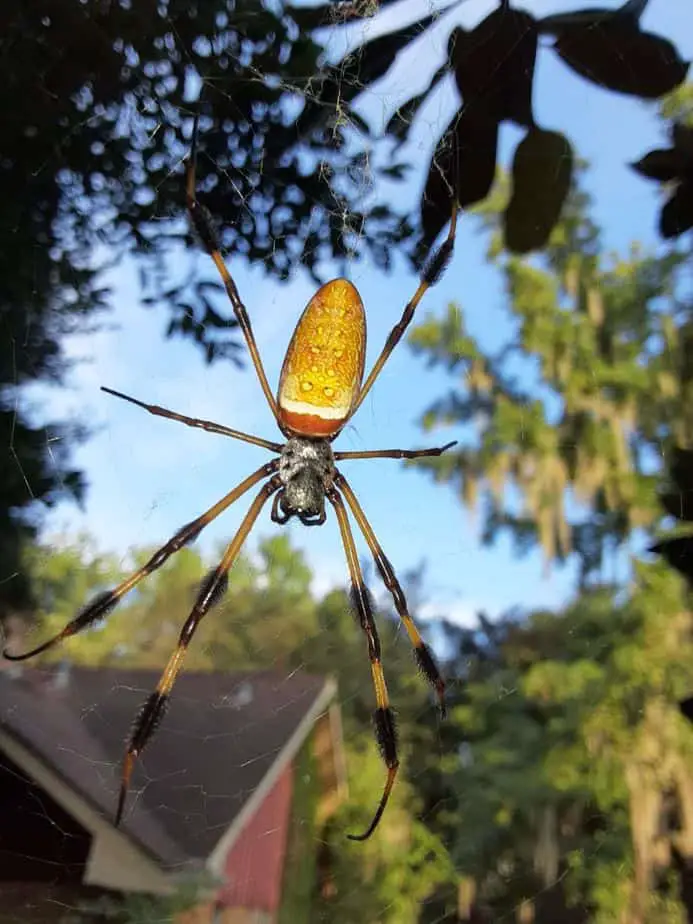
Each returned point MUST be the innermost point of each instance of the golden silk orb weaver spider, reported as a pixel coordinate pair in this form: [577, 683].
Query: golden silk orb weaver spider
[320, 389]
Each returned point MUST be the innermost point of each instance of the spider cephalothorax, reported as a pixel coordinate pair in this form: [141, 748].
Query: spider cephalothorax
[320, 389]
[306, 471]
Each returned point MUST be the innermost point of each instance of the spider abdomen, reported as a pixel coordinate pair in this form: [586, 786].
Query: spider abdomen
[323, 368]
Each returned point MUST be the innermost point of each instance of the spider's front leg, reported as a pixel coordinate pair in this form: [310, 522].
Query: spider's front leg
[432, 272]
[105, 602]
[203, 224]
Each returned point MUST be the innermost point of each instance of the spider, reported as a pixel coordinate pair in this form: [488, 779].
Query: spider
[320, 389]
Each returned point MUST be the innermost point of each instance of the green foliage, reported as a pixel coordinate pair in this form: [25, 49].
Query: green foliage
[571, 731]
[299, 880]
[263, 619]
[560, 726]
[63, 578]
[571, 435]
[386, 879]
[573, 790]
[679, 104]
[98, 102]
[140, 908]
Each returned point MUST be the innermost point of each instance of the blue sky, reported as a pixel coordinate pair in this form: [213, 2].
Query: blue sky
[147, 476]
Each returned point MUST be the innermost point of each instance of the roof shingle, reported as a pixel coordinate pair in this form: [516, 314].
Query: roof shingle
[219, 738]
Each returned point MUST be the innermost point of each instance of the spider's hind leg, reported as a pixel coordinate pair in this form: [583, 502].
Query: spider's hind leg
[383, 717]
[422, 653]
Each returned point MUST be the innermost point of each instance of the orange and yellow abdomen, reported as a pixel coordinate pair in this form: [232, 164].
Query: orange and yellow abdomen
[323, 368]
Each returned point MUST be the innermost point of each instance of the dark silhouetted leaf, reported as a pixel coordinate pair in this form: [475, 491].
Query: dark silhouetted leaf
[616, 55]
[558, 24]
[677, 214]
[682, 136]
[664, 164]
[370, 61]
[312, 17]
[494, 65]
[673, 165]
[681, 469]
[463, 166]
[542, 170]
[678, 505]
[678, 552]
[359, 68]
[686, 707]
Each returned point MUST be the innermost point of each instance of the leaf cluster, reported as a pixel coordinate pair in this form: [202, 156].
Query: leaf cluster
[574, 759]
[98, 102]
[562, 423]
[493, 67]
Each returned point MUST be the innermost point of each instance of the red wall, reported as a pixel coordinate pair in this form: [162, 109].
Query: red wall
[255, 864]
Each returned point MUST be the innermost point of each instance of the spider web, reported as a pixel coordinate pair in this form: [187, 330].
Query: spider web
[147, 477]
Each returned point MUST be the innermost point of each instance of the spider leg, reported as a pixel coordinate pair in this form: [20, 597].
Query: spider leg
[277, 515]
[422, 653]
[212, 590]
[384, 720]
[203, 224]
[394, 453]
[432, 271]
[207, 425]
[102, 604]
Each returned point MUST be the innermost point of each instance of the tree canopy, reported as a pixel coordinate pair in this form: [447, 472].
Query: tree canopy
[560, 789]
[98, 102]
[574, 434]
